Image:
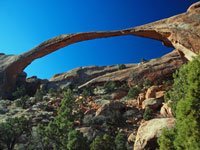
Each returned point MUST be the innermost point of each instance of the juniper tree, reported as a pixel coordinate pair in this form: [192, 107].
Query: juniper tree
[186, 92]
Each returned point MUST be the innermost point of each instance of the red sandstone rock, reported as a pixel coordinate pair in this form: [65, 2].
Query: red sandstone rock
[181, 32]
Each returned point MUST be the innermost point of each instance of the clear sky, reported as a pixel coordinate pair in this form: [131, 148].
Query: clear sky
[26, 23]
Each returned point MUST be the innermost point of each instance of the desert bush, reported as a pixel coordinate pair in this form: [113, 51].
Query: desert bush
[166, 139]
[115, 118]
[133, 92]
[39, 95]
[23, 102]
[76, 141]
[56, 133]
[52, 92]
[147, 83]
[148, 114]
[120, 141]
[121, 66]
[87, 92]
[110, 86]
[99, 120]
[20, 92]
[104, 142]
[87, 120]
[12, 130]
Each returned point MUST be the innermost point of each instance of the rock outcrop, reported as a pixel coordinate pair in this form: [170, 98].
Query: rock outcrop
[149, 131]
[81, 75]
[166, 110]
[155, 70]
[181, 31]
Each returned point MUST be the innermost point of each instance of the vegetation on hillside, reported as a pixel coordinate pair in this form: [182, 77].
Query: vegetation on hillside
[185, 96]
[97, 119]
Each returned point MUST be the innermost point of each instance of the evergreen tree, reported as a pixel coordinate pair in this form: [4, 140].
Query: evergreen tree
[120, 141]
[186, 134]
[133, 92]
[108, 142]
[97, 144]
[56, 133]
[12, 130]
[102, 143]
[76, 141]
[188, 110]
[166, 139]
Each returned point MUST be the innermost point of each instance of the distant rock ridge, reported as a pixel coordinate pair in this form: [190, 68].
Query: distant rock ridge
[81, 75]
[181, 32]
[154, 70]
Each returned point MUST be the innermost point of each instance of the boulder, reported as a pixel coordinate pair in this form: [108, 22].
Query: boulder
[88, 132]
[131, 138]
[140, 98]
[151, 92]
[152, 103]
[108, 108]
[131, 103]
[119, 94]
[166, 110]
[149, 131]
[160, 94]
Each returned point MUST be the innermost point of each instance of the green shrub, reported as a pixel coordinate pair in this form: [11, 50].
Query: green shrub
[23, 102]
[110, 86]
[55, 135]
[115, 118]
[99, 120]
[12, 130]
[88, 119]
[102, 143]
[87, 92]
[39, 95]
[148, 114]
[20, 92]
[52, 92]
[97, 144]
[147, 83]
[166, 139]
[133, 92]
[76, 141]
[121, 66]
[120, 141]
[143, 60]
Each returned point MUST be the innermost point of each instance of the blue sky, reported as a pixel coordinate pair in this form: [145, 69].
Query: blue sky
[26, 23]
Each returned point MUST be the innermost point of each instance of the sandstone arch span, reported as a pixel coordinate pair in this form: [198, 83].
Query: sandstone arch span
[181, 32]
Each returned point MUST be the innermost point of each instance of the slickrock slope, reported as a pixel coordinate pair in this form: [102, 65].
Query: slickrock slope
[181, 31]
[81, 75]
[155, 70]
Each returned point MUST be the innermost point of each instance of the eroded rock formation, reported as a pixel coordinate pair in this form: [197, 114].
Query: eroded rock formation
[181, 31]
[155, 70]
[149, 131]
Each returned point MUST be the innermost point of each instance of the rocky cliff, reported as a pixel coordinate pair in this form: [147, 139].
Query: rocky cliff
[181, 32]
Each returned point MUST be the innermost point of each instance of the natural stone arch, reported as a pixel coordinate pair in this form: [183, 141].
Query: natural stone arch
[181, 32]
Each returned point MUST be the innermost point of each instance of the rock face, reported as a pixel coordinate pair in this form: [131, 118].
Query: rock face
[81, 75]
[181, 31]
[155, 70]
[149, 131]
